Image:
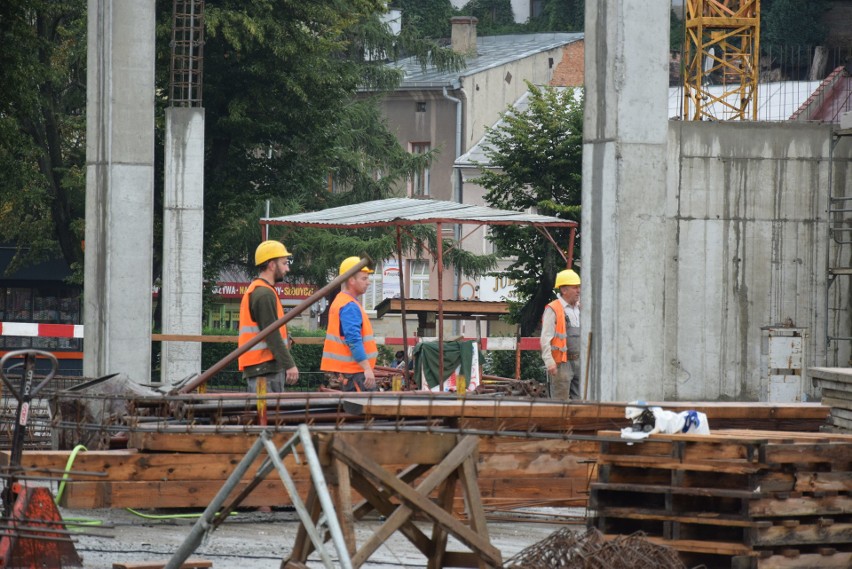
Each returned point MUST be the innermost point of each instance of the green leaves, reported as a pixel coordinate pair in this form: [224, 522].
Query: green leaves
[535, 161]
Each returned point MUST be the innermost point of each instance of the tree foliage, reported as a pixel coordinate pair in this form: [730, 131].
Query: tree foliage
[793, 22]
[560, 16]
[42, 129]
[430, 18]
[535, 161]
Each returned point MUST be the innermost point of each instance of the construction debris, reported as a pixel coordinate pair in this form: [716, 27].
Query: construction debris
[565, 549]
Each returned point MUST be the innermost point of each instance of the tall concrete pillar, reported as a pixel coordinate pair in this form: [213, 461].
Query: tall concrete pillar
[624, 191]
[119, 188]
[183, 240]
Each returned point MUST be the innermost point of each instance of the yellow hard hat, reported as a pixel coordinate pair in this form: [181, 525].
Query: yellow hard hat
[350, 262]
[566, 278]
[270, 250]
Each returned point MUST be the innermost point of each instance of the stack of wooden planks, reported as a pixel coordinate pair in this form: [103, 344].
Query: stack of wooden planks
[532, 452]
[835, 383]
[185, 470]
[734, 499]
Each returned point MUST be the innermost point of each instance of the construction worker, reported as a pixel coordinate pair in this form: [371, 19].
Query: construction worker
[270, 359]
[560, 337]
[350, 350]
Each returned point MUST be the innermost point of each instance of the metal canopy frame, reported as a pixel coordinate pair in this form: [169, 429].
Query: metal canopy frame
[403, 212]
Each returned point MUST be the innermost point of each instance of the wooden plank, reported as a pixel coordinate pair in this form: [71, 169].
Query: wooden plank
[839, 560]
[649, 489]
[191, 563]
[841, 422]
[487, 408]
[670, 464]
[694, 546]
[120, 465]
[399, 447]
[804, 534]
[174, 494]
[218, 441]
[837, 403]
[839, 374]
[834, 452]
[845, 394]
[699, 518]
[801, 506]
[823, 481]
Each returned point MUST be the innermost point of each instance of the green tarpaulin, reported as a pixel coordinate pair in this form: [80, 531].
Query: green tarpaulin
[426, 358]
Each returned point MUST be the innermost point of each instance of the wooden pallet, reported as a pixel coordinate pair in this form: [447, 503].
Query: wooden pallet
[733, 499]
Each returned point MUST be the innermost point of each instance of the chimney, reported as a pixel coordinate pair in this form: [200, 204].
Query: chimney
[464, 34]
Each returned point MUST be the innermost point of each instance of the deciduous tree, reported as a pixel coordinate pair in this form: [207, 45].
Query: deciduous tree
[535, 161]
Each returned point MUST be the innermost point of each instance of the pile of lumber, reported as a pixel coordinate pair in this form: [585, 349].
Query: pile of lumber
[835, 384]
[179, 451]
[186, 470]
[734, 499]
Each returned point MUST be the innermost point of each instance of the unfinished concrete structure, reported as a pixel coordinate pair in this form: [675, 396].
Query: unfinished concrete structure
[119, 188]
[698, 236]
[183, 199]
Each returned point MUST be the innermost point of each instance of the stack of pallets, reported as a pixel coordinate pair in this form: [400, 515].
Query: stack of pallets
[835, 385]
[735, 499]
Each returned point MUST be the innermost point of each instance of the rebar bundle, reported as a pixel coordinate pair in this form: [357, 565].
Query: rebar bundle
[565, 549]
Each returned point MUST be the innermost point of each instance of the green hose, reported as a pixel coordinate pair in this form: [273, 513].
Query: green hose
[71, 458]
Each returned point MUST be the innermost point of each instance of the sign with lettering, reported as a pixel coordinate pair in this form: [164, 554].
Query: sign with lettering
[286, 291]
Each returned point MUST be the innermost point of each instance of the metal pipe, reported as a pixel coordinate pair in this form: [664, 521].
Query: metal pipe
[402, 293]
[325, 498]
[439, 230]
[295, 311]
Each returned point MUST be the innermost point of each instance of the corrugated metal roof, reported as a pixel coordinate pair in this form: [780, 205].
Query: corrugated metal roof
[491, 51]
[408, 211]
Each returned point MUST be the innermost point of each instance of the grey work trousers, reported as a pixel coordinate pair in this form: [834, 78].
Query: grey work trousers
[565, 382]
[274, 382]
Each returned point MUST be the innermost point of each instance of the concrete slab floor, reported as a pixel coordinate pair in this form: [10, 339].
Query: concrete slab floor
[254, 540]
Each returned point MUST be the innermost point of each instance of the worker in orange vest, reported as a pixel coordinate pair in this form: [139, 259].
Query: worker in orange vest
[560, 337]
[260, 307]
[350, 349]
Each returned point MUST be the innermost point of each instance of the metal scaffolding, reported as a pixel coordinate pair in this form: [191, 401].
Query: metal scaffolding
[722, 47]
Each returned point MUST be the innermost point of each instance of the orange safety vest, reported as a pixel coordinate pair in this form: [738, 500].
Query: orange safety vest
[559, 342]
[260, 352]
[336, 356]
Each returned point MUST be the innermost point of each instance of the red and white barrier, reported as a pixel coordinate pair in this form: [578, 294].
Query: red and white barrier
[35, 330]
[496, 343]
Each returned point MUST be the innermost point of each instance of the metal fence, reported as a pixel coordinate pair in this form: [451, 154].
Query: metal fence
[802, 83]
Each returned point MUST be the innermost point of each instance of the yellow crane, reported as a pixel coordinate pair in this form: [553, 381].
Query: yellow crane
[721, 49]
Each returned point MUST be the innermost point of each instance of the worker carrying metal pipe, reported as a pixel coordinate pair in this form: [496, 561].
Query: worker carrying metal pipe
[269, 364]
[350, 349]
[560, 337]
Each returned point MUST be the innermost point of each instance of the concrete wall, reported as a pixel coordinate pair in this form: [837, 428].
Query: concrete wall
[745, 247]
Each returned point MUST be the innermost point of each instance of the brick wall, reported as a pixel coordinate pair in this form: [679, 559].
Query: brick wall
[569, 72]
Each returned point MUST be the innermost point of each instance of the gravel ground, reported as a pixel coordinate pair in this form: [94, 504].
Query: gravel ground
[254, 540]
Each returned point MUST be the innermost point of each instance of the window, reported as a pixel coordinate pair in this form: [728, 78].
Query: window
[418, 279]
[536, 8]
[420, 181]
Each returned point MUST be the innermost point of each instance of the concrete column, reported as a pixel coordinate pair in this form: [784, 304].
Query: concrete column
[624, 196]
[183, 240]
[119, 188]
